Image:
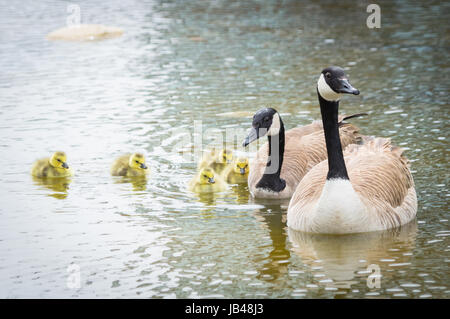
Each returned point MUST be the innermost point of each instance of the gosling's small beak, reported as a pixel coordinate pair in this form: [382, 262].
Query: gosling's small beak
[242, 170]
[143, 166]
[64, 165]
[346, 87]
[252, 136]
[211, 180]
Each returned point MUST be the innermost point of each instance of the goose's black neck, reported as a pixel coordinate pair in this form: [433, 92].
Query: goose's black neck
[336, 163]
[271, 178]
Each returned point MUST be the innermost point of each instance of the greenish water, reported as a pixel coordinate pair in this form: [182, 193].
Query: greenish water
[180, 63]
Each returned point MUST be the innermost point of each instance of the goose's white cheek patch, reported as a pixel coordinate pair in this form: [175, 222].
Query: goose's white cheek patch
[275, 127]
[325, 91]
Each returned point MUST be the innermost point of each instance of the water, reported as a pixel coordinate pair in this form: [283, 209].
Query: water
[180, 63]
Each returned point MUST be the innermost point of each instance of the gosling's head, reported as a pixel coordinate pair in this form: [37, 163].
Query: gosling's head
[333, 82]
[225, 156]
[59, 160]
[241, 166]
[137, 161]
[206, 176]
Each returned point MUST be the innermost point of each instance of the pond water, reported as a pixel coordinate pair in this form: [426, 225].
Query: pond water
[181, 73]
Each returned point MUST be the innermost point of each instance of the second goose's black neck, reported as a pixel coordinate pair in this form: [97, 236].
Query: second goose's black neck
[271, 179]
[336, 163]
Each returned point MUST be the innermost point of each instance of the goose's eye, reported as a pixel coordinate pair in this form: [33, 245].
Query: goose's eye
[266, 119]
[59, 160]
[137, 162]
[328, 75]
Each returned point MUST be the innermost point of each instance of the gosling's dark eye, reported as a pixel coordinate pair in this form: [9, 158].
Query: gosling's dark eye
[59, 160]
[137, 162]
[205, 176]
[328, 75]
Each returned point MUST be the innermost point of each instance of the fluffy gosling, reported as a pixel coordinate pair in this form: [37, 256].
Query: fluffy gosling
[55, 166]
[207, 181]
[237, 173]
[217, 160]
[130, 165]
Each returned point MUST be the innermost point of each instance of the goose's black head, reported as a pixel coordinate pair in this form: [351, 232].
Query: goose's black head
[266, 121]
[333, 82]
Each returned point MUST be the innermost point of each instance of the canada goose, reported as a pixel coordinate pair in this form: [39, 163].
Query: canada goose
[85, 32]
[218, 160]
[368, 188]
[237, 172]
[55, 166]
[207, 181]
[294, 153]
[129, 165]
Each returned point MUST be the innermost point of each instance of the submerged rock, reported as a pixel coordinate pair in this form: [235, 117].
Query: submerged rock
[85, 32]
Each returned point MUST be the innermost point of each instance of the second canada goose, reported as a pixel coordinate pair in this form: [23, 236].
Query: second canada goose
[281, 163]
[367, 188]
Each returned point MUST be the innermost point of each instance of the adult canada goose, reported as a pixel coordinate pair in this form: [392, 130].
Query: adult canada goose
[295, 152]
[129, 165]
[368, 188]
[55, 166]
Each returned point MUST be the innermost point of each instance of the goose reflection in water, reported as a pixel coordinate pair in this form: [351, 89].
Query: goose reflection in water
[59, 185]
[276, 264]
[339, 259]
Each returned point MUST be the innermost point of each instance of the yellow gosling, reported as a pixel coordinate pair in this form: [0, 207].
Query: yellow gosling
[55, 166]
[217, 160]
[207, 181]
[207, 158]
[130, 165]
[237, 173]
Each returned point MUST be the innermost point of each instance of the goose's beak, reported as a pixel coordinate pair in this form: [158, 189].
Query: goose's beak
[143, 166]
[64, 165]
[252, 136]
[242, 170]
[211, 180]
[346, 87]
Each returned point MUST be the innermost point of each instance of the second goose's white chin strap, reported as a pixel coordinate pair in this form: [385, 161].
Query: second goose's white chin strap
[325, 91]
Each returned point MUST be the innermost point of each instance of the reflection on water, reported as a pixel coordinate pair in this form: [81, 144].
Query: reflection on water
[241, 193]
[339, 260]
[138, 183]
[180, 62]
[276, 263]
[58, 185]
